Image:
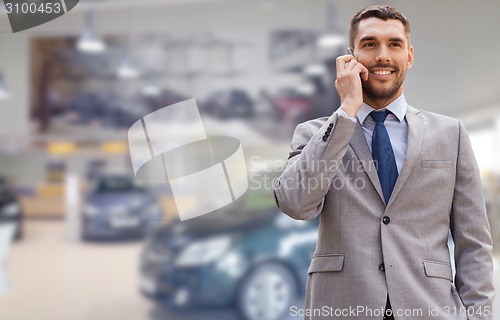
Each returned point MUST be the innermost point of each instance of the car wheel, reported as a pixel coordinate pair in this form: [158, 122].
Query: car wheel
[267, 292]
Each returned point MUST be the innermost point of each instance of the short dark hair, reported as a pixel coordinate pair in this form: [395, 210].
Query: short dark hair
[376, 11]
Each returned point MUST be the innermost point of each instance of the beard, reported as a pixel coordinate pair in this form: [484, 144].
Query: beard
[377, 93]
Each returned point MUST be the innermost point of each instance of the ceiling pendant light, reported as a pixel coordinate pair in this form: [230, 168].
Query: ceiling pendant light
[89, 42]
[315, 69]
[127, 70]
[332, 38]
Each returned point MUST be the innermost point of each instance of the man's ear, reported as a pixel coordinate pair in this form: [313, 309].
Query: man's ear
[410, 57]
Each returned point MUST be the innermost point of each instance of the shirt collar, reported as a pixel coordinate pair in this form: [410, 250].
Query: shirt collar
[397, 107]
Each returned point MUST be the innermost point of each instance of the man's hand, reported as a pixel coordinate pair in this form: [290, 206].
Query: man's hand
[348, 83]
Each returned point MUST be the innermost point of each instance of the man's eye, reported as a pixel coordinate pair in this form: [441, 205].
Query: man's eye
[368, 45]
[396, 44]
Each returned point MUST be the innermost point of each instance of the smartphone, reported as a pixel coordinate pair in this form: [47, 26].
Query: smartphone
[350, 51]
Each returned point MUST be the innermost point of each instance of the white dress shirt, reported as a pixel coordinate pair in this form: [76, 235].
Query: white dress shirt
[395, 123]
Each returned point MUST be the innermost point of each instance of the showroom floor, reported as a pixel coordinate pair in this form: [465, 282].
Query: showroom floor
[53, 278]
[56, 279]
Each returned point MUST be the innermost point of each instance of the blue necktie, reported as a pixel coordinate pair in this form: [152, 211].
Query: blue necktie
[383, 154]
[387, 170]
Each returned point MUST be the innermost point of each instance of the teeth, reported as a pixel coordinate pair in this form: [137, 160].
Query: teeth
[382, 73]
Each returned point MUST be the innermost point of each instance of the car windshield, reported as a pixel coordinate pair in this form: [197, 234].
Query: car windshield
[118, 184]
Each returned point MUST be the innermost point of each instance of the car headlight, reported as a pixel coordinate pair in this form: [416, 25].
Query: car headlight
[11, 210]
[204, 252]
[90, 210]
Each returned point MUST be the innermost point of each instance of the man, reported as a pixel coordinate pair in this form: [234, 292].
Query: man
[389, 182]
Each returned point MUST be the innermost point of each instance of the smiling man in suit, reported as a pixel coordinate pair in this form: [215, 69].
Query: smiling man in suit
[389, 182]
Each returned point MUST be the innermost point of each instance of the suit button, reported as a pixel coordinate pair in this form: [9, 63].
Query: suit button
[325, 137]
[330, 125]
[381, 267]
[386, 220]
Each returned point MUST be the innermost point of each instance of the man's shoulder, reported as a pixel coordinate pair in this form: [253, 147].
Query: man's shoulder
[434, 118]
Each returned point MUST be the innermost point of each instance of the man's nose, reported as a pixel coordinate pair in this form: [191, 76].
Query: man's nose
[383, 55]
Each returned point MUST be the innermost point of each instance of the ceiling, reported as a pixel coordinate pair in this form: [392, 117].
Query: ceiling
[454, 41]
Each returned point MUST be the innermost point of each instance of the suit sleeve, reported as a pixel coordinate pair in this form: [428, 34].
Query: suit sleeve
[471, 234]
[312, 165]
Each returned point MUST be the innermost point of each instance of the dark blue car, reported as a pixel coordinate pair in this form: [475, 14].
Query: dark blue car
[119, 207]
[10, 208]
[255, 261]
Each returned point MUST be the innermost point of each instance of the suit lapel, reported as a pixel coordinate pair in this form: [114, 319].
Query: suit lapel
[415, 137]
[360, 147]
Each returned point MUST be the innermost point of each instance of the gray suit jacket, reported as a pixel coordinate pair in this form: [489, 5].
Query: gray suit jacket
[365, 249]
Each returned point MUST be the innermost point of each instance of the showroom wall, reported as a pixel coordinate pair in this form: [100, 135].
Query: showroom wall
[14, 64]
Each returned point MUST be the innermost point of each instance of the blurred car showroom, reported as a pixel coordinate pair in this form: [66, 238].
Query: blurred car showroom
[81, 238]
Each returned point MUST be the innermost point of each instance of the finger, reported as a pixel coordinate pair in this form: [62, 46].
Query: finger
[365, 73]
[351, 65]
[341, 61]
[361, 69]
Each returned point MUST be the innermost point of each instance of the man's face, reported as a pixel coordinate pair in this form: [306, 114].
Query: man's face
[383, 48]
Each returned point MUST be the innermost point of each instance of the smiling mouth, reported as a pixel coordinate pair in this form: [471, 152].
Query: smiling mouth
[382, 72]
